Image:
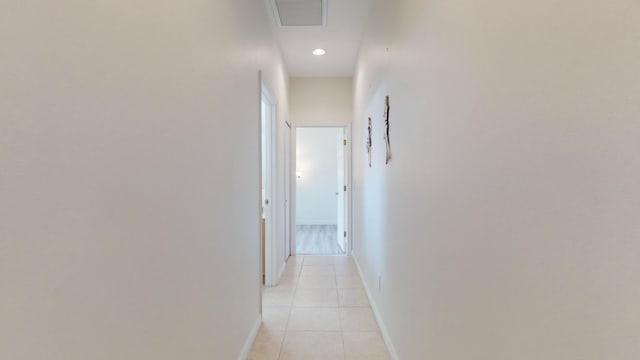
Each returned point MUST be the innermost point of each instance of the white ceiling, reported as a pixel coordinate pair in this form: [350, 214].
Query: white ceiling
[341, 38]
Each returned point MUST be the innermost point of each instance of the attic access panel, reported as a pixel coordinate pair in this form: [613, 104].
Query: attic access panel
[300, 12]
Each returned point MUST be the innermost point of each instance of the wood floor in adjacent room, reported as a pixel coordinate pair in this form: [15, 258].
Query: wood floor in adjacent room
[317, 240]
[319, 311]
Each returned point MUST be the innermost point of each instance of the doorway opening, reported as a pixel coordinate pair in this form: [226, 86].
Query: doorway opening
[321, 206]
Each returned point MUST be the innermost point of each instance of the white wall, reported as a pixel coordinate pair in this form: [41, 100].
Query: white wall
[317, 161]
[506, 226]
[129, 167]
[321, 101]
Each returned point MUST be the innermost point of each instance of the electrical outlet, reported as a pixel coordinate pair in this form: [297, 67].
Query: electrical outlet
[379, 283]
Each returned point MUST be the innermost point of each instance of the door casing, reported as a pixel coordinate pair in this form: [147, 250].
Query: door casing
[347, 178]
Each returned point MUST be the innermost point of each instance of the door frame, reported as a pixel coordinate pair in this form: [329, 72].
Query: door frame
[287, 188]
[347, 179]
[271, 245]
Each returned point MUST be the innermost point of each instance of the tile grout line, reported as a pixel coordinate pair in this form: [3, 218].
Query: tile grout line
[335, 277]
[286, 327]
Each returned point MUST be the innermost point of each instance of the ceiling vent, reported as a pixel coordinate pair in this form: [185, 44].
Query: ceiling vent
[300, 12]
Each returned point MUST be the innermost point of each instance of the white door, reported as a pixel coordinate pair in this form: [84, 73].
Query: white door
[340, 193]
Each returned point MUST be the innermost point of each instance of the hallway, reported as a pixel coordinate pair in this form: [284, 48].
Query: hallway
[486, 153]
[319, 311]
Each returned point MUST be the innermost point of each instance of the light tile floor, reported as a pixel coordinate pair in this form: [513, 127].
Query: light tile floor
[319, 311]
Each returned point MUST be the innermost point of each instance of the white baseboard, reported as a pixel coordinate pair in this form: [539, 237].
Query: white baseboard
[246, 349]
[282, 268]
[376, 313]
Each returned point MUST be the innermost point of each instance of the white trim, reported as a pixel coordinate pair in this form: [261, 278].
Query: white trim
[349, 200]
[259, 194]
[347, 178]
[293, 195]
[286, 171]
[383, 329]
[292, 191]
[248, 344]
[271, 244]
[282, 269]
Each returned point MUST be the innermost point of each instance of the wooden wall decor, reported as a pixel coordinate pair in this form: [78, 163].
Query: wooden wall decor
[369, 131]
[386, 125]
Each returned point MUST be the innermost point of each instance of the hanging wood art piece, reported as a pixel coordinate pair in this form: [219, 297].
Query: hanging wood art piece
[386, 125]
[369, 130]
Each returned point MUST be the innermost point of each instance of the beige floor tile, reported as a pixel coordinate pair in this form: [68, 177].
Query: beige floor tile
[349, 282]
[318, 270]
[267, 345]
[310, 260]
[352, 297]
[277, 296]
[364, 346]
[317, 282]
[275, 317]
[343, 260]
[288, 280]
[312, 346]
[296, 259]
[314, 319]
[358, 319]
[316, 298]
[292, 270]
[346, 269]
[290, 266]
[330, 319]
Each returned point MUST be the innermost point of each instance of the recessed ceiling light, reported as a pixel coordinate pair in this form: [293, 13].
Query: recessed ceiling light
[319, 52]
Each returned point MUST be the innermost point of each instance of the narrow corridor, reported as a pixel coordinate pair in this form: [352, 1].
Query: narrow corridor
[319, 311]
